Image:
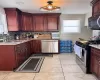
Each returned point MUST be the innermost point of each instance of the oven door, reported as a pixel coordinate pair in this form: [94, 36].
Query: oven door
[83, 56]
[94, 23]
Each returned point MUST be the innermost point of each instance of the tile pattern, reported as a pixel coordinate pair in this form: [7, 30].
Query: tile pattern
[58, 67]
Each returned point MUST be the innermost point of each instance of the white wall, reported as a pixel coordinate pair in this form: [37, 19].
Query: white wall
[4, 20]
[85, 32]
[89, 14]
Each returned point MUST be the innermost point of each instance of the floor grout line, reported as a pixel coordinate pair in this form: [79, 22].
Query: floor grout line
[34, 76]
[6, 76]
[62, 69]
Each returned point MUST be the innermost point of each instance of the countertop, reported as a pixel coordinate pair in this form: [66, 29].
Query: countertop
[16, 42]
[95, 46]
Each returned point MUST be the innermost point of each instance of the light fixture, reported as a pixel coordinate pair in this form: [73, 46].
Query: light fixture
[50, 7]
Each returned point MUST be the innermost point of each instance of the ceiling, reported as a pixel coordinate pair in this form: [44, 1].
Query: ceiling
[33, 6]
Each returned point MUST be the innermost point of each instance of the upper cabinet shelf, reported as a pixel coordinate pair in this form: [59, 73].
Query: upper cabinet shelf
[21, 21]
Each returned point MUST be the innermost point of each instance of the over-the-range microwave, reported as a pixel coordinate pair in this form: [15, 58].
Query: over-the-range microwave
[94, 22]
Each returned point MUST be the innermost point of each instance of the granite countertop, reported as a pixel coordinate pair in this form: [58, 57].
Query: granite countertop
[95, 46]
[16, 42]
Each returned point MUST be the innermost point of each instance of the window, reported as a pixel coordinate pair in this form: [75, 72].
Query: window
[71, 26]
[1, 24]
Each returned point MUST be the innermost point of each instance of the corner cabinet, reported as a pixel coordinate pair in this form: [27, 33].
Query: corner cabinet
[95, 62]
[13, 16]
[12, 56]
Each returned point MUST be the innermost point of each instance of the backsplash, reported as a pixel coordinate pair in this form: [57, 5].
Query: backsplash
[96, 33]
[24, 35]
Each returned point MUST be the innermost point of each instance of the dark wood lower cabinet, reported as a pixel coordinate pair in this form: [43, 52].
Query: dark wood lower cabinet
[7, 58]
[95, 62]
[36, 46]
[12, 56]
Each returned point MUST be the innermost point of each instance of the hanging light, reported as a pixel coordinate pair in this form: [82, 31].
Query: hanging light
[50, 7]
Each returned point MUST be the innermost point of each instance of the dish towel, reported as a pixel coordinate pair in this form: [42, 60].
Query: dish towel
[78, 50]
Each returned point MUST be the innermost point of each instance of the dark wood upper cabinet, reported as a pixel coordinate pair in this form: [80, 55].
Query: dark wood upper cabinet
[21, 21]
[13, 19]
[46, 22]
[95, 7]
[39, 23]
[27, 23]
[53, 22]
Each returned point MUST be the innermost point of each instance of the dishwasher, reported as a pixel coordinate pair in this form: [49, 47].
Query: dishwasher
[49, 46]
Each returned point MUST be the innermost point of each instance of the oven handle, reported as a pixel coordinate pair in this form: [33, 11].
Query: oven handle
[98, 21]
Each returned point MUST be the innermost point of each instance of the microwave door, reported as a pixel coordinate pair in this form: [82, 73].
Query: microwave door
[98, 21]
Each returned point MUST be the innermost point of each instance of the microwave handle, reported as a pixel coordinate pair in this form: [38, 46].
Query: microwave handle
[98, 21]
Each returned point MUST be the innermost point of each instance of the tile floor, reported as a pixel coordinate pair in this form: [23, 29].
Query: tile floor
[58, 67]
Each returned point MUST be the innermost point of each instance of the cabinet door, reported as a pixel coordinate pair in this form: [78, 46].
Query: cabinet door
[39, 23]
[24, 22]
[27, 24]
[95, 65]
[37, 46]
[96, 8]
[99, 6]
[30, 24]
[12, 17]
[99, 70]
[53, 23]
[31, 47]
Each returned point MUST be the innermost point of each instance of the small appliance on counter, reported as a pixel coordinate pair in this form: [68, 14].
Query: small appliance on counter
[17, 37]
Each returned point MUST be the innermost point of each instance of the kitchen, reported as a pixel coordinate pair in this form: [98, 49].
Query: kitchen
[49, 40]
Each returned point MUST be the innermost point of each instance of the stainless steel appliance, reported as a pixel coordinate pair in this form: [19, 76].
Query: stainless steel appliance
[83, 56]
[84, 59]
[50, 46]
[94, 22]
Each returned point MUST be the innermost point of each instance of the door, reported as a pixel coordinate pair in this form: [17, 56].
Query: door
[52, 23]
[27, 24]
[95, 65]
[36, 46]
[39, 23]
[12, 17]
[96, 8]
[99, 70]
